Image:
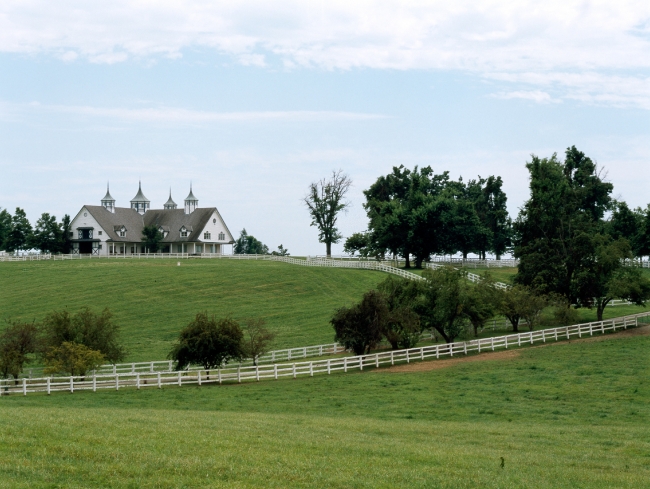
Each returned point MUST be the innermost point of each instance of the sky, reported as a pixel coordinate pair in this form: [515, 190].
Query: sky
[251, 101]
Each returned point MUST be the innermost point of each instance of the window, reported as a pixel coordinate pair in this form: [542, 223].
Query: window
[222, 236]
[100, 246]
[183, 233]
[206, 235]
[100, 232]
[132, 249]
[199, 248]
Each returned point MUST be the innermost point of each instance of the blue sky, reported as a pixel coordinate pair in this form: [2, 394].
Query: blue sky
[251, 101]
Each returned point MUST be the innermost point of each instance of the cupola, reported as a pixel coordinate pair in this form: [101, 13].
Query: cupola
[108, 202]
[140, 203]
[170, 204]
[191, 202]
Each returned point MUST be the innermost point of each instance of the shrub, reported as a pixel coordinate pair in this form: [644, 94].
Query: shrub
[17, 342]
[72, 358]
[360, 327]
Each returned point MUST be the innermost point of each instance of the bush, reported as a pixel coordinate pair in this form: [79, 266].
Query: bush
[72, 358]
[95, 331]
[208, 342]
[258, 339]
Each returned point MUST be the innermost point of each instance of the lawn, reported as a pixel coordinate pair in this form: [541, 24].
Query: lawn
[153, 299]
[567, 415]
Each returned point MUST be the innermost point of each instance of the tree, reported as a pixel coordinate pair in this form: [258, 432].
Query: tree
[19, 235]
[325, 199]
[402, 328]
[247, 244]
[65, 244]
[442, 302]
[151, 237]
[531, 309]
[643, 238]
[5, 227]
[490, 204]
[17, 342]
[95, 331]
[360, 327]
[357, 243]
[516, 303]
[208, 342]
[625, 223]
[606, 277]
[257, 340]
[480, 303]
[554, 228]
[282, 251]
[72, 358]
[47, 234]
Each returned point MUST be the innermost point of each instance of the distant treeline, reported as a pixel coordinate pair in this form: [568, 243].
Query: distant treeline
[48, 236]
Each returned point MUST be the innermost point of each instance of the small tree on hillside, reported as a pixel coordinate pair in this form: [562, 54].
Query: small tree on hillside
[403, 328]
[5, 227]
[95, 331]
[480, 303]
[360, 327]
[517, 303]
[17, 342]
[257, 340]
[151, 237]
[72, 358]
[324, 200]
[208, 342]
[19, 236]
[47, 234]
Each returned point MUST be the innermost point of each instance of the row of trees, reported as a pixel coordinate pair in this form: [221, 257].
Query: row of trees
[247, 244]
[449, 306]
[48, 235]
[64, 342]
[419, 213]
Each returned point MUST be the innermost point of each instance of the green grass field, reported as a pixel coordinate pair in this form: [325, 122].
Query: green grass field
[153, 299]
[567, 415]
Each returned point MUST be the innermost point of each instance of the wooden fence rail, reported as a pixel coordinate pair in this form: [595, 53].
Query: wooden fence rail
[275, 371]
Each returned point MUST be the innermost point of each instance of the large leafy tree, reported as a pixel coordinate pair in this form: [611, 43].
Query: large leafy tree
[606, 277]
[360, 327]
[47, 234]
[65, 243]
[556, 225]
[325, 199]
[491, 206]
[151, 237]
[19, 235]
[17, 342]
[643, 238]
[248, 244]
[208, 342]
[5, 227]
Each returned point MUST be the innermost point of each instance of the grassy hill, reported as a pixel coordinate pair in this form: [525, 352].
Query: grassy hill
[153, 299]
[566, 415]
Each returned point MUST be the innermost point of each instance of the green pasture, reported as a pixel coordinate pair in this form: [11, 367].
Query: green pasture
[567, 415]
[153, 299]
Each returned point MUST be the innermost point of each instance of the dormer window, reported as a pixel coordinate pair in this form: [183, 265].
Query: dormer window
[206, 235]
[163, 232]
[183, 232]
[222, 237]
[122, 232]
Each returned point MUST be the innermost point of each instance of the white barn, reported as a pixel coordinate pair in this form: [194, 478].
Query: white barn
[109, 230]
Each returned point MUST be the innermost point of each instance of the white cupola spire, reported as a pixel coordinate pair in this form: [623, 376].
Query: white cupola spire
[191, 202]
[140, 203]
[170, 204]
[108, 202]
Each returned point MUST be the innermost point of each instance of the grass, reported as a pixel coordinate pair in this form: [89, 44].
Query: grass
[567, 415]
[153, 299]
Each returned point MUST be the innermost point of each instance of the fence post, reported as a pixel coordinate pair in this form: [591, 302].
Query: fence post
[328, 366]
[159, 381]
[311, 369]
[531, 337]
[117, 382]
[492, 342]
[479, 345]
[219, 374]
[180, 378]
[133, 368]
[48, 386]
[543, 336]
[25, 386]
[94, 383]
[151, 367]
[377, 360]
[170, 366]
[407, 355]
[114, 369]
[137, 381]
[361, 362]
[239, 373]
[567, 332]
[392, 359]
[506, 342]
[465, 346]
[294, 370]
[275, 371]
[345, 364]
[257, 373]
[320, 351]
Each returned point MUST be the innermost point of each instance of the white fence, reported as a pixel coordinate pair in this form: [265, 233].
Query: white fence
[275, 371]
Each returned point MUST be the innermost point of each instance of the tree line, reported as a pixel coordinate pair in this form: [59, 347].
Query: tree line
[48, 235]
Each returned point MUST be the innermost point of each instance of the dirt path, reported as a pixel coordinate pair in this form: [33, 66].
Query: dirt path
[506, 354]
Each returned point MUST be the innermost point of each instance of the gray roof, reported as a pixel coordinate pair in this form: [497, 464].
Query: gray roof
[170, 201]
[191, 195]
[171, 220]
[108, 195]
[139, 197]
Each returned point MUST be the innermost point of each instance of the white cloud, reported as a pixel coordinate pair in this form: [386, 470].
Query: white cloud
[534, 95]
[175, 115]
[530, 41]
